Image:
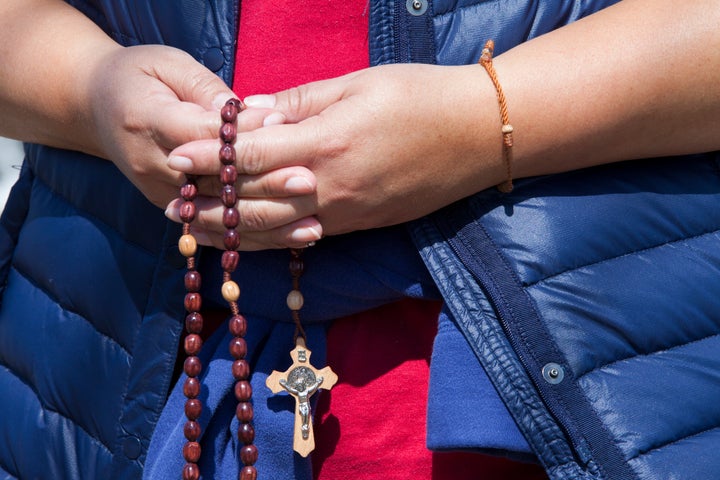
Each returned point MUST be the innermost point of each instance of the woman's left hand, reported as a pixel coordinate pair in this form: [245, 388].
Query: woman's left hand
[386, 145]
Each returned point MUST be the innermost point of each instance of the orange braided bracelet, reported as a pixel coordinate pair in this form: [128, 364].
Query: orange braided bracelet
[507, 129]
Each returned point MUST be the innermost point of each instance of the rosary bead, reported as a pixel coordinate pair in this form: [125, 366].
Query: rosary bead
[297, 266]
[243, 391]
[227, 155]
[193, 344]
[249, 454]
[187, 212]
[228, 132]
[192, 281]
[192, 366]
[189, 190]
[228, 113]
[241, 369]
[193, 302]
[248, 473]
[194, 322]
[228, 175]
[228, 195]
[237, 325]
[193, 409]
[191, 472]
[246, 433]
[295, 300]
[238, 348]
[187, 245]
[191, 452]
[237, 103]
[192, 430]
[231, 217]
[231, 239]
[230, 291]
[191, 387]
[229, 261]
[244, 412]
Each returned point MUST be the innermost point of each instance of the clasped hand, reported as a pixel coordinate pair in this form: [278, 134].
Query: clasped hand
[373, 148]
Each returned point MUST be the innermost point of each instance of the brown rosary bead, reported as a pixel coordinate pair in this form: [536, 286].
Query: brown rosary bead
[238, 348]
[193, 344]
[246, 433]
[189, 191]
[227, 155]
[228, 195]
[241, 369]
[192, 366]
[237, 325]
[194, 322]
[297, 266]
[192, 281]
[231, 217]
[193, 302]
[248, 473]
[228, 175]
[193, 408]
[191, 452]
[231, 239]
[228, 113]
[249, 454]
[187, 212]
[191, 472]
[244, 412]
[191, 387]
[192, 430]
[243, 391]
[228, 132]
[230, 260]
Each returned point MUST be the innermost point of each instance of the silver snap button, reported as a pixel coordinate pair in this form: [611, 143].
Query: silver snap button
[416, 7]
[553, 373]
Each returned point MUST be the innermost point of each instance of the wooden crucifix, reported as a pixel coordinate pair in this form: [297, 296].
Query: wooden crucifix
[301, 381]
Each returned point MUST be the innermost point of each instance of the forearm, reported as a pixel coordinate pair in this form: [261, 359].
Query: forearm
[637, 80]
[48, 51]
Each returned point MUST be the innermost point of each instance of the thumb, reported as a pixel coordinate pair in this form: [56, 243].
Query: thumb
[192, 82]
[304, 101]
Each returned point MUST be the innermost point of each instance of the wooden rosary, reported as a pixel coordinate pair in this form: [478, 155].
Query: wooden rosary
[301, 380]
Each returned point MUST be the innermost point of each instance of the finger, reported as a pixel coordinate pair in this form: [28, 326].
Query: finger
[282, 183]
[304, 101]
[255, 215]
[282, 237]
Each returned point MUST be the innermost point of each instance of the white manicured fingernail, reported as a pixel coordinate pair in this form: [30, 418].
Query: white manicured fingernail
[179, 163]
[275, 118]
[260, 101]
[305, 235]
[298, 186]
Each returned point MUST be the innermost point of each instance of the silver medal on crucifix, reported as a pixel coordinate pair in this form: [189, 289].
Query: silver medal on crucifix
[301, 381]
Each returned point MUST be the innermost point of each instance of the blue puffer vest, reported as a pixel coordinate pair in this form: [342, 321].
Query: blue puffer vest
[588, 297]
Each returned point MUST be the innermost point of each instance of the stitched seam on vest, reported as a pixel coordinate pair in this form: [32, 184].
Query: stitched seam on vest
[617, 257]
[46, 408]
[679, 440]
[648, 354]
[55, 300]
[86, 213]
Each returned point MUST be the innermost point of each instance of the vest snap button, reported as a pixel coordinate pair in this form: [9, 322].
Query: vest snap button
[553, 373]
[132, 448]
[416, 7]
[213, 59]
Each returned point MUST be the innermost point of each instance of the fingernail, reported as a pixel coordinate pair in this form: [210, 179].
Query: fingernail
[298, 186]
[275, 118]
[260, 101]
[179, 163]
[173, 213]
[305, 235]
[220, 99]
